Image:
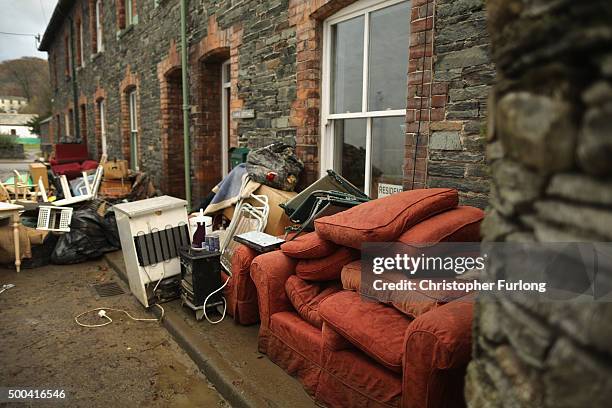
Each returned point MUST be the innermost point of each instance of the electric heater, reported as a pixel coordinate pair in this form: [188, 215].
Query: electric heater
[152, 231]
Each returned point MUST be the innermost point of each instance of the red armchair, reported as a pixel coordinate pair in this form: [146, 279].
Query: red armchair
[71, 159]
[367, 353]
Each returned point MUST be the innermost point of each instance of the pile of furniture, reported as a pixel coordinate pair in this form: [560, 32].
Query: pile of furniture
[71, 160]
[351, 352]
[116, 183]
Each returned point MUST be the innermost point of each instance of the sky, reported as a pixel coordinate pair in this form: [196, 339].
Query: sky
[23, 17]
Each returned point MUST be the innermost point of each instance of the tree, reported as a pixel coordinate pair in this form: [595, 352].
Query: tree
[34, 125]
[27, 77]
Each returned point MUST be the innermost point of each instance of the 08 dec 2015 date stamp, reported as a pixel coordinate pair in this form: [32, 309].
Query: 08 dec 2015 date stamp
[15, 394]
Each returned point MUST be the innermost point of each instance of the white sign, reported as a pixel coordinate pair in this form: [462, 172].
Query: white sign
[243, 114]
[388, 189]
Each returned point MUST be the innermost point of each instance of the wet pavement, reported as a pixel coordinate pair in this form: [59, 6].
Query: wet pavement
[126, 363]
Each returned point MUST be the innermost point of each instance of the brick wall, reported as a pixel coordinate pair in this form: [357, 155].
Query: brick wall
[275, 53]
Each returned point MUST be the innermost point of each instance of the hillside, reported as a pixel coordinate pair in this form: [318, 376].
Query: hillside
[27, 77]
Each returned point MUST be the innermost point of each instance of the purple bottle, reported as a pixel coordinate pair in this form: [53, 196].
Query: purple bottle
[200, 233]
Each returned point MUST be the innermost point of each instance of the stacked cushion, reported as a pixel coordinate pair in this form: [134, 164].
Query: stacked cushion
[306, 297]
[461, 224]
[385, 219]
[308, 246]
[411, 303]
[325, 269]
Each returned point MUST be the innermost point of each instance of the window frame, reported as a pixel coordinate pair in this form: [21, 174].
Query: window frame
[226, 85]
[98, 22]
[328, 143]
[129, 12]
[81, 45]
[102, 119]
[133, 127]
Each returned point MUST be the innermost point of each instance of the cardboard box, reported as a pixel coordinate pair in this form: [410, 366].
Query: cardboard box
[277, 220]
[39, 170]
[115, 188]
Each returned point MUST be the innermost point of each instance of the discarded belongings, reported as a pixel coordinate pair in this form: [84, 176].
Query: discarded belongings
[201, 286]
[90, 237]
[152, 231]
[275, 165]
[56, 219]
[330, 182]
[315, 284]
[329, 195]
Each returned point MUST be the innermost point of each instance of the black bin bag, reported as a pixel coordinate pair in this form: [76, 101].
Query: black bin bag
[90, 237]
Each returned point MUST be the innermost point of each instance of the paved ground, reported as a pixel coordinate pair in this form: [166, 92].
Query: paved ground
[7, 167]
[126, 363]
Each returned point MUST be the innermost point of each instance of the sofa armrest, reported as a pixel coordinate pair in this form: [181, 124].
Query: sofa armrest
[438, 347]
[269, 273]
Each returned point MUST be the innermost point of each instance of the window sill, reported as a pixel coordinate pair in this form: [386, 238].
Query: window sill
[80, 68]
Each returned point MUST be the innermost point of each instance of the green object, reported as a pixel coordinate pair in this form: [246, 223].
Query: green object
[28, 140]
[238, 155]
[186, 138]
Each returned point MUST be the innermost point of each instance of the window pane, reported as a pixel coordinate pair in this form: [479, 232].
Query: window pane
[388, 59]
[347, 66]
[388, 139]
[350, 138]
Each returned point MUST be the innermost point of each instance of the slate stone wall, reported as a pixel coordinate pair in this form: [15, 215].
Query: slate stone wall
[275, 52]
[549, 145]
[463, 73]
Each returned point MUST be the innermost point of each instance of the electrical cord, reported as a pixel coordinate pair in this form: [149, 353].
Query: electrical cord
[102, 314]
[224, 304]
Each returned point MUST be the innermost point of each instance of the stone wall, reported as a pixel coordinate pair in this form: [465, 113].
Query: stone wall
[550, 149]
[462, 75]
[275, 51]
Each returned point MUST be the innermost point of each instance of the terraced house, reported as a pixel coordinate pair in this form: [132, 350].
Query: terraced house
[390, 93]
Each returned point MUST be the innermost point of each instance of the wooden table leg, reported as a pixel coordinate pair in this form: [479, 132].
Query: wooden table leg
[16, 238]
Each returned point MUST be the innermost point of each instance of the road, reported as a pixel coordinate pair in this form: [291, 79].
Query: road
[126, 363]
[7, 167]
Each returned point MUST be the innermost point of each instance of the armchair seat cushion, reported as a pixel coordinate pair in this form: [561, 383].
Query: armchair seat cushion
[378, 330]
[385, 219]
[306, 297]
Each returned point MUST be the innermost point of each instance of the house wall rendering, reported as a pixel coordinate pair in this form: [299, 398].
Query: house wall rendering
[391, 94]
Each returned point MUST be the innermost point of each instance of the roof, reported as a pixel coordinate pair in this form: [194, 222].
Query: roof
[55, 23]
[15, 119]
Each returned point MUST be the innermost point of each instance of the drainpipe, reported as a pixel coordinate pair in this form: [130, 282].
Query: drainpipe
[75, 96]
[186, 138]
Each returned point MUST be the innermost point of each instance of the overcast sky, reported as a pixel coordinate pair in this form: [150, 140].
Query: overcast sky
[23, 17]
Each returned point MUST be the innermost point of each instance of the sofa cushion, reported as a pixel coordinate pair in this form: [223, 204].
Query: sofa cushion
[306, 297]
[308, 246]
[378, 330]
[351, 276]
[412, 303]
[385, 219]
[325, 269]
[461, 224]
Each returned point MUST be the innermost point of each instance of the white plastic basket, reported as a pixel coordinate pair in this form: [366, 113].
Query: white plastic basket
[54, 219]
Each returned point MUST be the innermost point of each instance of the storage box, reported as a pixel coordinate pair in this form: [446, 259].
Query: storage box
[115, 188]
[116, 169]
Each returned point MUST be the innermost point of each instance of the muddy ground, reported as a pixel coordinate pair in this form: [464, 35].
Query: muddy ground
[126, 363]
